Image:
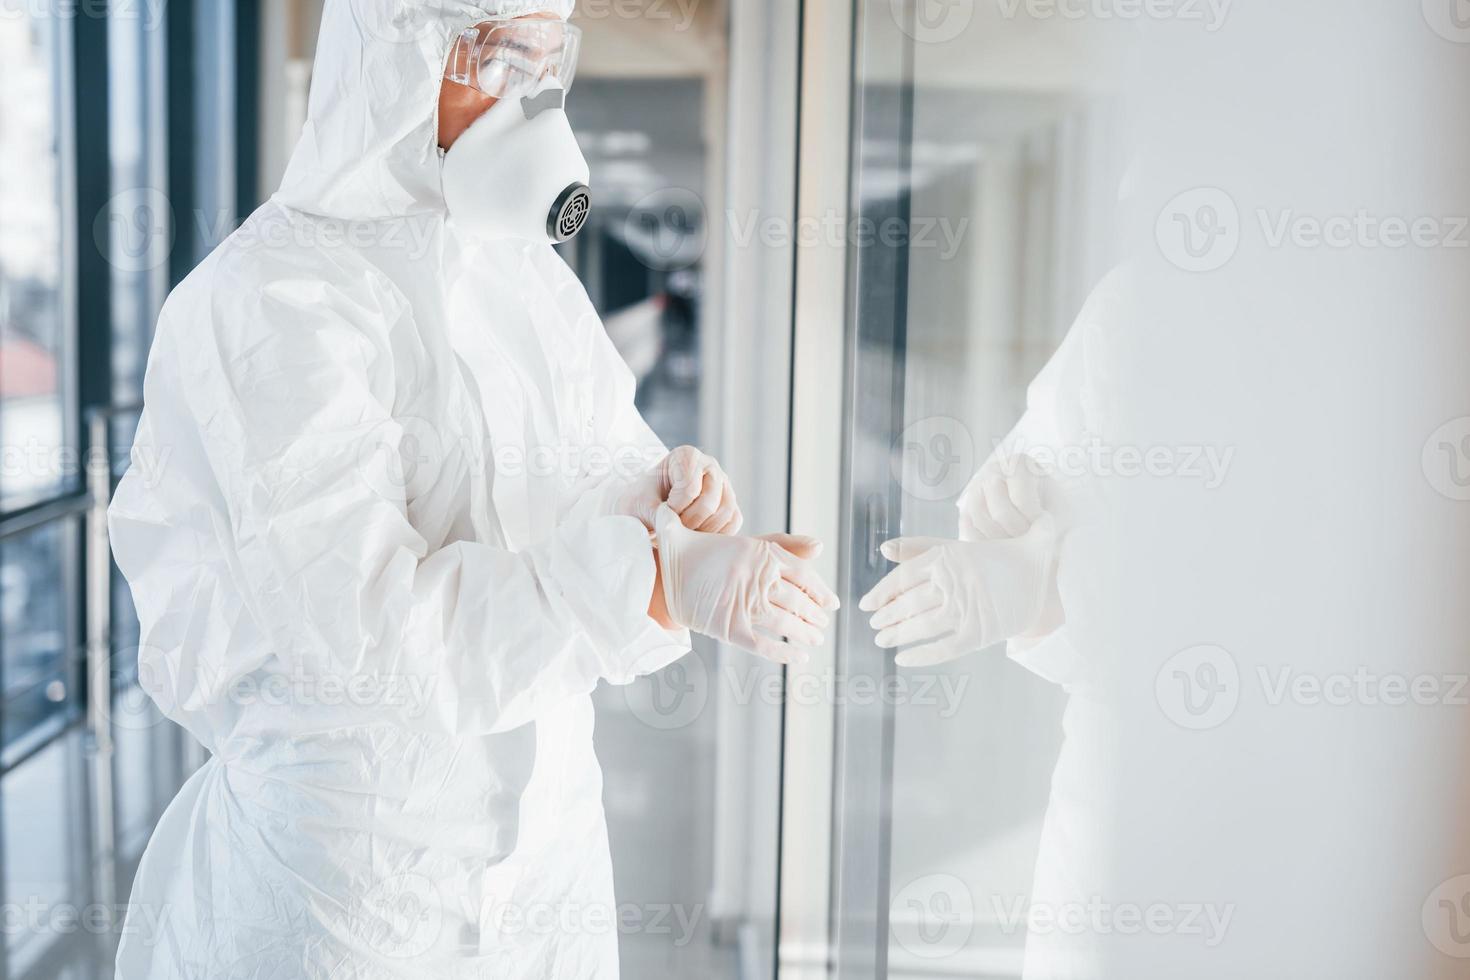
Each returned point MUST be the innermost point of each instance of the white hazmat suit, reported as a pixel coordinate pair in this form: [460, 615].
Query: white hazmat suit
[373, 566]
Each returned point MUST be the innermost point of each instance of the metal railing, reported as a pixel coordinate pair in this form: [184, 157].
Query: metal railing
[98, 598]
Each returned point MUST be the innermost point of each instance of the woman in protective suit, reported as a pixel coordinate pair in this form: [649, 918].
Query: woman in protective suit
[407, 518]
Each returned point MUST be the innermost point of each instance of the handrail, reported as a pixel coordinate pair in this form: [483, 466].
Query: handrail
[39, 514]
[99, 647]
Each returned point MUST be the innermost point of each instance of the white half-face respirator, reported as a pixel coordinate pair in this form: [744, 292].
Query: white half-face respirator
[517, 172]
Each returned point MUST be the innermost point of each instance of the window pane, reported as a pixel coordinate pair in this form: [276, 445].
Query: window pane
[47, 891]
[35, 576]
[33, 428]
[641, 255]
[142, 228]
[998, 186]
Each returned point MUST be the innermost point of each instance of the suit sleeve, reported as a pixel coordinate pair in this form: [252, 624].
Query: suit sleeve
[270, 542]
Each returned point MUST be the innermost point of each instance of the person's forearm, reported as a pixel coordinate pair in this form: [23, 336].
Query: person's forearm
[658, 609]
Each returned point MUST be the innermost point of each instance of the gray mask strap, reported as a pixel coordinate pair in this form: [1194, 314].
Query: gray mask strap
[552, 98]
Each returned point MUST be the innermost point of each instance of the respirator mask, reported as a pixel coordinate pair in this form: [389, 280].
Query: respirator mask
[517, 172]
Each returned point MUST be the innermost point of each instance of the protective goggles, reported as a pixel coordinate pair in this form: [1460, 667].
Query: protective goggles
[509, 59]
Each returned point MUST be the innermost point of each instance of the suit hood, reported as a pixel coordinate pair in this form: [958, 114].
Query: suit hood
[369, 147]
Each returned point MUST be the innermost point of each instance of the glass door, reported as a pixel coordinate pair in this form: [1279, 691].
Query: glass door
[980, 190]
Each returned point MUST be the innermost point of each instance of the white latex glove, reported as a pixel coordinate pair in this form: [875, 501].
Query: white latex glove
[755, 593]
[1003, 499]
[693, 484]
[949, 598]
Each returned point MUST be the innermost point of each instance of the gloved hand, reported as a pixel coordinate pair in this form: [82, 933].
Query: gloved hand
[949, 598]
[748, 592]
[1003, 499]
[690, 482]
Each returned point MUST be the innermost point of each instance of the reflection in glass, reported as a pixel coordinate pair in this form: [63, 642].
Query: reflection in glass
[33, 428]
[43, 818]
[996, 165]
[35, 570]
[140, 228]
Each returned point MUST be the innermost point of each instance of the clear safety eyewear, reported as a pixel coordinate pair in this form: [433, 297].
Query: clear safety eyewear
[512, 58]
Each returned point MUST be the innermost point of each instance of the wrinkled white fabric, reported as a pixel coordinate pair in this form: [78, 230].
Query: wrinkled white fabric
[364, 532]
